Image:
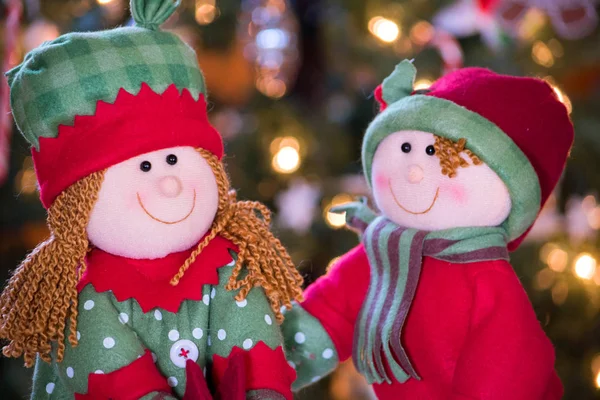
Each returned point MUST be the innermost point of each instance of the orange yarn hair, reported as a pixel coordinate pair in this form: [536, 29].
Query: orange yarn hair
[449, 154]
[40, 299]
[246, 223]
[41, 296]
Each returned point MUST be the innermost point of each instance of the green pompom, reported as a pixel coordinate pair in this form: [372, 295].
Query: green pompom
[150, 14]
[400, 83]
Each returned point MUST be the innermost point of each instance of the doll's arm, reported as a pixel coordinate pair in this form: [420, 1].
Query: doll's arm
[247, 332]
[507, 354]
[319, 332]
[109, 361]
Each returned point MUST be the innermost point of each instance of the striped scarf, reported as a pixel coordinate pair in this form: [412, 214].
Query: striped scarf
[395, 257]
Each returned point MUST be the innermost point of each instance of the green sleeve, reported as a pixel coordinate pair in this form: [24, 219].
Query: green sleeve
[106, 342]
[308, 347]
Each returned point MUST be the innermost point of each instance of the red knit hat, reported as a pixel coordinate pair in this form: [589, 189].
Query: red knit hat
[485, 108]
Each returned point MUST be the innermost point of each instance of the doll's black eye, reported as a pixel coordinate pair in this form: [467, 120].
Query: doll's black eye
[430, 150]
[145, 166]
[406, 147]
[171, 159]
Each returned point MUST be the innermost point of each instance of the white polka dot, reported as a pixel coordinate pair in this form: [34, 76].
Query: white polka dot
[172, 381]
[213, 293]
[327, 354]
[299, 338]
[123, 318]
[88, 305]
[78, 335]
[242, 303]
[173, 335]
[99, 372]
[208, 341]
[221, 334]
[198, 333]
[50, 388]
[268, 319]
[231, 263]
[316, 378]
[154, 357]
[292, 364]
[70, 372]
[108, 342]
[282, 309]
[247, 344]
[206, 299]
[157, 315]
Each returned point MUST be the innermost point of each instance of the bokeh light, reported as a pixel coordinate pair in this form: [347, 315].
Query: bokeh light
[336, 220]
[422, 84]
[384, 29]
[585, 266]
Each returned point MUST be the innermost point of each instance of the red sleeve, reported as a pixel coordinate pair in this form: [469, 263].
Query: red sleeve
[261, 368]
[335, 299]
[507, 354]
[128, 383]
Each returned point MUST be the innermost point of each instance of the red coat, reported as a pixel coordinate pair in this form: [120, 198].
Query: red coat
[471, 332]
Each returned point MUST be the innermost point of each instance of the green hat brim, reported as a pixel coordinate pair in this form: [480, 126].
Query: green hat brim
[485, 139]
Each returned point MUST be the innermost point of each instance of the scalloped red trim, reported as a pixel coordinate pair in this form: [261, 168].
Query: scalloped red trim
[128, 383]
[148, 281]
[265, 368]
[132, 125]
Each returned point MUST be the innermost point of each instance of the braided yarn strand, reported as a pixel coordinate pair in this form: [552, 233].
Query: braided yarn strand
[246, 224]
[41, 295]
[449, 154]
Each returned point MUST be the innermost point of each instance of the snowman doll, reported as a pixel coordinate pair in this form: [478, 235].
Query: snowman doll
[428, 306]
[155, 282]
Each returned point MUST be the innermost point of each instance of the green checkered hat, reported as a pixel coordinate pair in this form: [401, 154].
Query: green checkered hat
[68, 76]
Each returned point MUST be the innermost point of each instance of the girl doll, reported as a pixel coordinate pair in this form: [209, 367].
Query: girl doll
[428, 305]
[154, 275]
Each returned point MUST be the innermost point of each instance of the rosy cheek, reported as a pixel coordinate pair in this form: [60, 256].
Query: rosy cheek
[456, 192]
[381, 180]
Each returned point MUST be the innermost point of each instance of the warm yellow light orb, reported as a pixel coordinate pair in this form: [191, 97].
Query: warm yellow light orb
[286, 160]
[557, 260]
[585, 266]
[598, 380]
[422, 84]
[384, 29]
[104, 1]
[333, 219]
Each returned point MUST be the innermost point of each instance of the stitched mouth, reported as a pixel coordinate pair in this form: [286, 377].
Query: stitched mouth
[437, 192]
[163, 221]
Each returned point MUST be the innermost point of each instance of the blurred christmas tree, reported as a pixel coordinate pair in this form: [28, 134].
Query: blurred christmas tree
[291, 85]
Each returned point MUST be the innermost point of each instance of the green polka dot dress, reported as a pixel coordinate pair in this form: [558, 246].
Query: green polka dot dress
[114, 334]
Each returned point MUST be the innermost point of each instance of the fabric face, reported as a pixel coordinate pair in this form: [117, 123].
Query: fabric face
[410, 189]
[150, 213]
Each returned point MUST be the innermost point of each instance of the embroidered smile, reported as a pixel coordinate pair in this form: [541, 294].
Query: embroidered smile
[167, 222]
[437, 192]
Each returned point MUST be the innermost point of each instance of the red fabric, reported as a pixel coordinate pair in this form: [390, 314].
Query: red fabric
[233, 381]
[471, 332]
[133, 125]
[538, 123]
[265, 369]
[196, 387]
[128, 383]
[148, 281]
[379, 97]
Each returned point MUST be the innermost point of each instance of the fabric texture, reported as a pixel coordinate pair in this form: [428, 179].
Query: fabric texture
[75, 97]
[148, 281]
[526, 142]
[139, 123]
[471, 332]
[112, 334]
[131, 382]
[312, 359]
[395, 256]
[264, 369]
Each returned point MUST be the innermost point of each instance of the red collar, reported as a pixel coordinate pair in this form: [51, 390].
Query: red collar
[147, 281]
